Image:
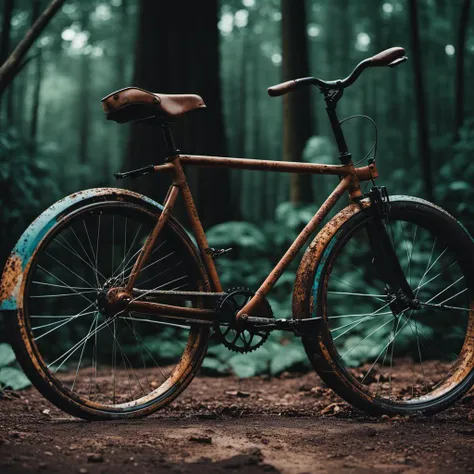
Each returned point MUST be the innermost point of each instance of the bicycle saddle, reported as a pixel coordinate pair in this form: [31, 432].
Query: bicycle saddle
[134, 104]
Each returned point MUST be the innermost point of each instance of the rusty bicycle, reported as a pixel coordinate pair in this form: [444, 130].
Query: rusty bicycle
[383, 298]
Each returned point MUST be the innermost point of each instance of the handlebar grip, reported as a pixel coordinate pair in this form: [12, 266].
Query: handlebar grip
[386, 57]
[283, 88]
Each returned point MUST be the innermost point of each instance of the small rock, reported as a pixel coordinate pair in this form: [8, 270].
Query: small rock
[48, 453]
[95, 457]
[238, 393]
[201, 439]
[42, 465]
[384, 418]
[332, 408]
[83, 470]
[47, 411]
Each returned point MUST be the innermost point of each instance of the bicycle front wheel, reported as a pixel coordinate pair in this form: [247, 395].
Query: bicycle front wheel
[379, 357]
[92, 364]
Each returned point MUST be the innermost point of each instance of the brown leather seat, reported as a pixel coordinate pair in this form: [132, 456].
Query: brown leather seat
[133, 104]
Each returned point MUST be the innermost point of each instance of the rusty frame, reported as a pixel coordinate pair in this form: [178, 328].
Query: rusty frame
[350, 178]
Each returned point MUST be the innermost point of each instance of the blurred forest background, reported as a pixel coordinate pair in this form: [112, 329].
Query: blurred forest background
[54, 139]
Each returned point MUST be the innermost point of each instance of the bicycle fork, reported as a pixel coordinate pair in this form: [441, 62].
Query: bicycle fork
[387, 264]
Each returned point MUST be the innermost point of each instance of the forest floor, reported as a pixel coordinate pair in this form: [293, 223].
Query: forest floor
[290, 424]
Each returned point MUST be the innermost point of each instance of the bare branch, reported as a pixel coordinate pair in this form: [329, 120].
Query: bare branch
[10, 66]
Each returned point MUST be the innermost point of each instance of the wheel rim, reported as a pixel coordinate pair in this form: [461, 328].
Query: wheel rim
[113, 362]
[414, 357]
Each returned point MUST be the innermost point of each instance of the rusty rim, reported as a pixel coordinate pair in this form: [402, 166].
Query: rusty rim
[417, 355]
[113, 362]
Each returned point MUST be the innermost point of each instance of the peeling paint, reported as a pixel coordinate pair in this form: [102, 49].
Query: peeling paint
[24, 249]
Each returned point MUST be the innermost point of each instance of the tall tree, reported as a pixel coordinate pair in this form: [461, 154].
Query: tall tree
[296, 105]
[84, 93]
[5, 37]
[423, 141]
[6, 30]
[187, 63]
[36, 9]
[460, 58]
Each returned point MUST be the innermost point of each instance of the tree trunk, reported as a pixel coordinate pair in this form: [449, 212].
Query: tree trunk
[5, 36]
[84, 97]
[37, 86]
[10, 67]
[460, 56]
[296, 105]
[186, 64]
[423, 142]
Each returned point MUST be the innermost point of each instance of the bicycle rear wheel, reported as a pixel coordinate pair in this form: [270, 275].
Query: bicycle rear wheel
[376, 356]
[92, 364]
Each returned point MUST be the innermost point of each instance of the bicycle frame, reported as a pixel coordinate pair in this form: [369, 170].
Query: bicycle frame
[350, 178]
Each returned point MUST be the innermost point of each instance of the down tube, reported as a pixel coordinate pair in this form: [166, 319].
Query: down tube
[150, 241]
[296, 246]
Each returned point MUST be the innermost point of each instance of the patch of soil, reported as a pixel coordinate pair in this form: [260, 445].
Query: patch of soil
[290, 424]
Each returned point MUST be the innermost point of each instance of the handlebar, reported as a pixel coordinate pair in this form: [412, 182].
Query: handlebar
[390, 57]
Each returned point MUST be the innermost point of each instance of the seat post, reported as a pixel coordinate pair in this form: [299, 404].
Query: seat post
[171, 147]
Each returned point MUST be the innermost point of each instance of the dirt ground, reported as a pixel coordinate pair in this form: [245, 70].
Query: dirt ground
[290, 424]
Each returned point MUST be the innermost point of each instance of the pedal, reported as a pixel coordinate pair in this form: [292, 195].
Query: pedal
[214, 253]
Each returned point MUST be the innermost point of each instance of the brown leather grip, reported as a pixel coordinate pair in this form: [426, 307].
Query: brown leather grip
[386, 57]
[282, 88]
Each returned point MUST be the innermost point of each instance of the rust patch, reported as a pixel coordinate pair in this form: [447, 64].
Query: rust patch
[11, 279]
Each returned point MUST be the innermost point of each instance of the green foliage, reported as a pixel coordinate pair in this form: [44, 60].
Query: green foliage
[10, 375]
[279, 354]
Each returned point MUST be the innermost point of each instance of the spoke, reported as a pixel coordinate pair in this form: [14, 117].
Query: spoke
[124, 264]
[69, 270]
[154, 263]
[435, 277]
[59, 279]
[392, 350]
[114, 358]
[364, 319]
[351, 285]
[419, 353]
[97, 248]
[92, 249]
[60, 286]
[63, 323]
[428, 264]
[59, 295]
[354, 323]
[432, 265]
[61, 320]
[454, 296]
[94, 322]
[124, 357]
[76, 346]
[446, 307]
[383, 350]
[37, 316]
[348, 293]
[82, 247]
[71, 250]
[143, 346]
[441, 350]
[161, 273]
[366, 337]
[125, 247]
[446, 289]
[154, 321]
[357, 315]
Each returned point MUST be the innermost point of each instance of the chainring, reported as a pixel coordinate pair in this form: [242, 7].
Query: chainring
[226, 332]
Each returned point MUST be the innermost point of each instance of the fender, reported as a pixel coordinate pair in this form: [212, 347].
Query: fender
[17, 264]
[321, 245]
[313, 260]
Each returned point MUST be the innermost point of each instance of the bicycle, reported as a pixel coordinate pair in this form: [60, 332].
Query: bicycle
[106, 271]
